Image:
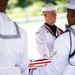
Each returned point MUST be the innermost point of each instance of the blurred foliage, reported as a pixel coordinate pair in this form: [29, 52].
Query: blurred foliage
[17, 13]
[12, 4]
[28, 8]
[25, 3]
[35, 9]
[60, 1]
[49, 1]
[61, 6]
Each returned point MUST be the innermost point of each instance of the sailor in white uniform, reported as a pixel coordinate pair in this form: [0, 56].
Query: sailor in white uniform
[63, 63]
[48, 32]
[13, 46]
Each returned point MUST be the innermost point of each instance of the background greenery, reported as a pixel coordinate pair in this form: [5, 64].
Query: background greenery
[29, 8]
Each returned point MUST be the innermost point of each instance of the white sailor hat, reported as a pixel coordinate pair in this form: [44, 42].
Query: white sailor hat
[49, 7]
[70, 4]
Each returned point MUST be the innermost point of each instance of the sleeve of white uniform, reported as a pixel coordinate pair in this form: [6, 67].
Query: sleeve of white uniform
[59, 60]
[41, 43]
[24, 58]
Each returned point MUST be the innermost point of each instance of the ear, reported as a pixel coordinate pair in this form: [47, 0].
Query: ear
[44, 14]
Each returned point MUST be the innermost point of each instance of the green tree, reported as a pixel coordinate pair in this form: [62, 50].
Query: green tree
[49, 1]
[12, 3]
[24, 3]
[60, 2]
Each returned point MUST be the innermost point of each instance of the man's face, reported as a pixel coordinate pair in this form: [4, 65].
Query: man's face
[50, 16]
[3, 5]
[71, 16]
[68, 16]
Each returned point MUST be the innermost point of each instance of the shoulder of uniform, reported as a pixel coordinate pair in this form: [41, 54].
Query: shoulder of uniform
[70, 29]
[40, 30]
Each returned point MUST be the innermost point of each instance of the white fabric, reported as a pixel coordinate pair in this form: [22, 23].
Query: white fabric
[70, 6]
[49, 8]
[13, 52]
[45, 41]
[7, 26]
[60, 65]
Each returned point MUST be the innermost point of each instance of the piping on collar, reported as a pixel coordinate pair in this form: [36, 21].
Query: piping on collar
[12, 36]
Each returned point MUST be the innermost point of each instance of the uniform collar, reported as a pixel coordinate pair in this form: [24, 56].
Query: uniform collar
[52, 27]
[8, 29]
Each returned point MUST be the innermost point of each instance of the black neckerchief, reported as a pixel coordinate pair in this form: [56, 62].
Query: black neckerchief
[53, 28]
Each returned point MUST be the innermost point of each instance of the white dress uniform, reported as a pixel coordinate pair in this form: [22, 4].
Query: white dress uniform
[45, 41]
[13, 48]
[60, 64]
